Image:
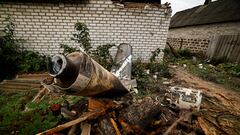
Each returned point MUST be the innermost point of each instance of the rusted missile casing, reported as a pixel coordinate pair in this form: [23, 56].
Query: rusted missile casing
[78, 74]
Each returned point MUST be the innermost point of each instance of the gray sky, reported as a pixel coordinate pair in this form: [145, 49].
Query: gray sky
[179, 5]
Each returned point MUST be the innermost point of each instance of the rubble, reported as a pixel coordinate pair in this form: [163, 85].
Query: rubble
[173, 110]
[185, 98]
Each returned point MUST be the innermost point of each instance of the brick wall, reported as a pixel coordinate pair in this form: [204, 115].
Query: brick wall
[196, 38]
[194, 45]
[45, 26]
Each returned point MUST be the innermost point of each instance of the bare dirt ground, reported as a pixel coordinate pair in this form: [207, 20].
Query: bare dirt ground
[220, 106]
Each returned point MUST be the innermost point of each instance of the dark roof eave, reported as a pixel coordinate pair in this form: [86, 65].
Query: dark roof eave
[204, 24]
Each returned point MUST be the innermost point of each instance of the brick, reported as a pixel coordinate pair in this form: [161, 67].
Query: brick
[107, 23]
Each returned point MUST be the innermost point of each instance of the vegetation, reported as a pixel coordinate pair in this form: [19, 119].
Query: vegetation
[16, 120]
[103, 57]
[220, 72]
[139, 73]
[101, 54]
[13, 58]
[82, 36]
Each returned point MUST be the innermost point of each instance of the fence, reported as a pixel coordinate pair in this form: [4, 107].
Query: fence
[225, 47]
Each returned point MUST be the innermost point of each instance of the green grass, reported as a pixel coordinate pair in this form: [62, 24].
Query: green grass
[14, 120]
[225, 74]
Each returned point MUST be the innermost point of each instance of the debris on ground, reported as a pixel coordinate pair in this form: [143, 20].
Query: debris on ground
[183, 104]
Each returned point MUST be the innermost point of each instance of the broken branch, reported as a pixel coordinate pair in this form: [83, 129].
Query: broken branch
[84, 117]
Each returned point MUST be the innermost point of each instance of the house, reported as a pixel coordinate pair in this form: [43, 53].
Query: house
[192, 28]
[45, 24]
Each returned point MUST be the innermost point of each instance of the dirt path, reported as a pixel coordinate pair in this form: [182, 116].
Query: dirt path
[222, 106]
[228, 98]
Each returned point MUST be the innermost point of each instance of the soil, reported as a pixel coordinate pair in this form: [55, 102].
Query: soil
[220, 106]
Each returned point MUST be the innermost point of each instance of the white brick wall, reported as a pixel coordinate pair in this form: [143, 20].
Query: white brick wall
[45, 26]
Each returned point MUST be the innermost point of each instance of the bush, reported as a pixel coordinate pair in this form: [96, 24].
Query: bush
[184, 53]
[82, 36]
[155, 53]
[101, 54]
[12, 58]
[31, 61]
[138, 73]
[161, 69]
[67, 49]
[231, 68]
[103, 57]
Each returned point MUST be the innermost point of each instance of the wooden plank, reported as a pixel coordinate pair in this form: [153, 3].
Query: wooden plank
[216, 53]
[204, 126]
[228, 45]
[237, 58]
[234, 54]
[231, 49]
[212, 46]
[224, 46]
[115, 126]
[86, 129]
[84, 117]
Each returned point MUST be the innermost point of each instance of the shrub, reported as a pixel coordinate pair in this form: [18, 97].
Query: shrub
[67, 49]
[101, 54]
[8, 51]
[103, 57]
[231, 68]
[82, 36]
[138, 73]
[12, 58]
[161, 69]
[155, 53]
[31, 61]
[184, 53]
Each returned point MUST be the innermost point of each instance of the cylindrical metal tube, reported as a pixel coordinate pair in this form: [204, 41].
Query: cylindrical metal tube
[78, 74]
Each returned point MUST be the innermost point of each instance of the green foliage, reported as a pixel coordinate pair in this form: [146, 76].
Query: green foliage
[155, 53]
[8, 51]
[101, 54]
[138, 73]
[231, 68]
[12, 58]
[103, 57]
[184, 53]
[38, 117]
[161, 69]
[82, 36]
[67, 49]
[31, 61]
[15, 120]
[217, 61]
[224, 74]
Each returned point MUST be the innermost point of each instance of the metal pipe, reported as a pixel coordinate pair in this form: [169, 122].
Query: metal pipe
[78, 74]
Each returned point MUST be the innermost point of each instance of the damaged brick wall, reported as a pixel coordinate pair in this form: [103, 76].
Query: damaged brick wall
[196, 38]
[194, 45]
[45, 26]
